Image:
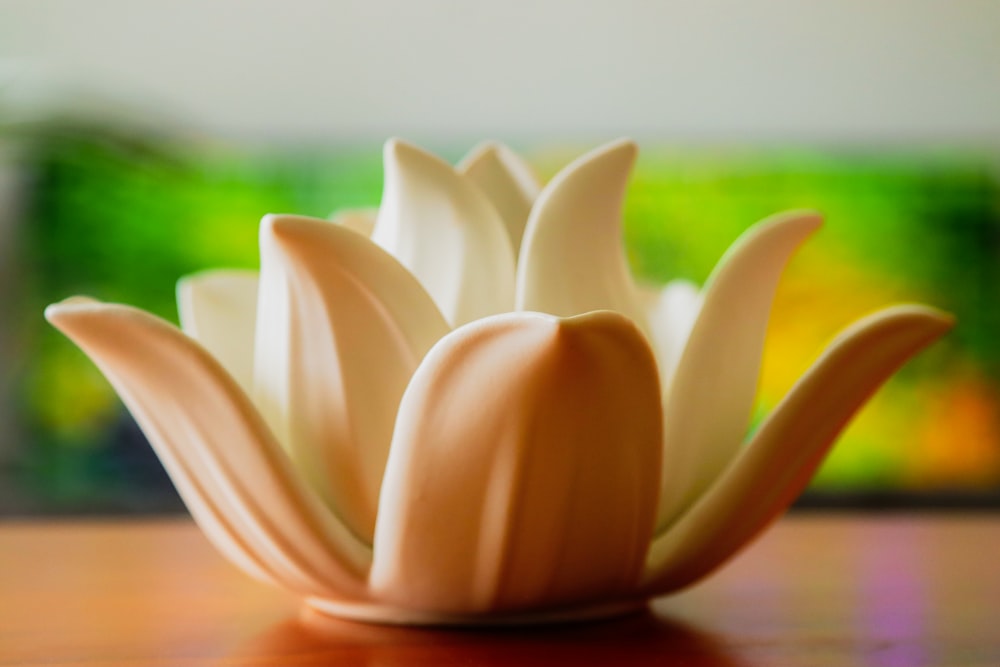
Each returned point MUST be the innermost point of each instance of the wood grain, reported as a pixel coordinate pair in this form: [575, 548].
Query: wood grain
[816, 590]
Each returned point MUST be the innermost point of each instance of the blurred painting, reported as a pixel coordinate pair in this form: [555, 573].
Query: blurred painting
[121, 214]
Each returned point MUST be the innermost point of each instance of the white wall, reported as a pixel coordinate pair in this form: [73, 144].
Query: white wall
[787, 70]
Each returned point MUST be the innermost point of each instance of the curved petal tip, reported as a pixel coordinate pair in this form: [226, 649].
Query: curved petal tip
[284, 227]
[63, 313]
[401, 151]
[572, 259]
[936, 318]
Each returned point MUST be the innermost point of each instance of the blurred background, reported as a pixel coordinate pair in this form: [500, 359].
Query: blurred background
[143, 141]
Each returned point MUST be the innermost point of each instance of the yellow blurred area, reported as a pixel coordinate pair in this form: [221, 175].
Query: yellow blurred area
[70, 396]
[927, 434]
[956, 431]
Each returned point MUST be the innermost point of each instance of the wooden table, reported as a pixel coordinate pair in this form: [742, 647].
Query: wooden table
[815, 591]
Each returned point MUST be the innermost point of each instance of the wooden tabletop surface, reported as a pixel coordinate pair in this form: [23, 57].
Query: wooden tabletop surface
[816, 590]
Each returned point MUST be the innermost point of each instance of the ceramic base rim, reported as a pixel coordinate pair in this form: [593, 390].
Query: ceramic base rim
[389, 615]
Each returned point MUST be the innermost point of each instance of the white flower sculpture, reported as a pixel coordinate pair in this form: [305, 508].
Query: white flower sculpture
[474, 415]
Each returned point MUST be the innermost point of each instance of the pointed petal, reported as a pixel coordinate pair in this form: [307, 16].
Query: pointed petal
[572, 259]
[507, 180]
[523, 469]
[225, 463]
[342, 328]
[219, 310]
[708, 404]
[446, 232]
[672, 314]
[782, 456]
[360, 220]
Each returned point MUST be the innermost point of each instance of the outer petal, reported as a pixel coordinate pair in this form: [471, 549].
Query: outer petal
[445, 230]
[523, 470]
[782, 456]
[220, 454]
[219, 310]
[508, 182]
[708, 404]
[572, 260]
[342, 328]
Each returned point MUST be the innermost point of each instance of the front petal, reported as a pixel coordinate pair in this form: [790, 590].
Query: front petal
[524, 468]
[508, 182]
[572, 259]
[708, 403]
[782, 456]
[219, 310]
[447, 233]
[342, 327]
[224, 461]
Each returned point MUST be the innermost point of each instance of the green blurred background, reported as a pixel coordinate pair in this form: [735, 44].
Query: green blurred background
[120, 214]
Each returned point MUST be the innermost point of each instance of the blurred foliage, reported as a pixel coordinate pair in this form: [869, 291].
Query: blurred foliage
[120, 216]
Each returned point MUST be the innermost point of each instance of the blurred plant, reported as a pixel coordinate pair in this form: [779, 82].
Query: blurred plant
[121, 213]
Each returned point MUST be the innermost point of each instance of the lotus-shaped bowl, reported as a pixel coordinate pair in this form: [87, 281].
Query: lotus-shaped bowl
[462, 409]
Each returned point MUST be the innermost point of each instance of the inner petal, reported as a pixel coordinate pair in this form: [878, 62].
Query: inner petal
[219, 310]
[672, 312]
[572, 257]
[709, 400]
[442, 228]
[342, 326]
[508, 182]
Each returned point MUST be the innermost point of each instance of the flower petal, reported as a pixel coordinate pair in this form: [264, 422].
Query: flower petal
[342, 327]
[708, 403]
[447, 233]
[219, 310]
[360, 220]
[782, 456]
[572, 260]
[672, 313]
[226, 464]
[523, 470]
[507, 180]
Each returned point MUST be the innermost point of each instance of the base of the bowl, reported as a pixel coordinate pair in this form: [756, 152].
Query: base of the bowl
[388, 615]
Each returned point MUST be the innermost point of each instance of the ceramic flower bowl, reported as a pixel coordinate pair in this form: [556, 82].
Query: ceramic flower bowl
[465, 411]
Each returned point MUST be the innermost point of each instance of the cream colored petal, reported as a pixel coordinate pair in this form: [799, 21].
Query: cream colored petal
[227, 466]
[219, 310]
[342, 328]
[572, 259]
[708, 403]
[647, 295]
[447, 233]
[523, 470]
[507, 180]
[672, 314]
[782, 456]
[360, 220]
